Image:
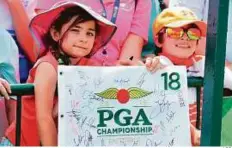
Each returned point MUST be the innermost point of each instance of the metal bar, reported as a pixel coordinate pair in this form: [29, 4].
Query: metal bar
[195, 82]
[19, 90]
[22, 89]
[18, 121]
[198, 107]
[28, 89]
[214, 72]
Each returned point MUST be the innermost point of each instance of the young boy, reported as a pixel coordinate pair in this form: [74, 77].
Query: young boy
[177, 32]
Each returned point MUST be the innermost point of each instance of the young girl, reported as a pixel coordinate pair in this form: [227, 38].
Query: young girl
[71, 33]
[132, 18]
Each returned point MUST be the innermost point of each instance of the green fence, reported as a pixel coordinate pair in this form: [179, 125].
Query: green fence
[28, 89]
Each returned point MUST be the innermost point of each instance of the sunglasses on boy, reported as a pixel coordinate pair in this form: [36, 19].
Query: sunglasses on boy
[178, 33]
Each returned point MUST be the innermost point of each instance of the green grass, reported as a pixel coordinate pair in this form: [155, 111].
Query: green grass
[226, 133]
[227, 105]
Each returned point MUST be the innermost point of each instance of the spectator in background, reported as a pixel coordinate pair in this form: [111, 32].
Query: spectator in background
[157, 6]
[166, 2]
[8, 74]
[229, 38]
[199, 7]
[15, 16]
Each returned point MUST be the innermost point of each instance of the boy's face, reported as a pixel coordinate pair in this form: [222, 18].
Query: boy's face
[181, 47]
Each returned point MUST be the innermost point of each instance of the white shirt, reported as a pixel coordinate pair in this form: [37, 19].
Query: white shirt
[6, 19]
[229, 35]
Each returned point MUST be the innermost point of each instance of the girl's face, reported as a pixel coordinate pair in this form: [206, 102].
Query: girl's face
[180, 48]
[78, 41]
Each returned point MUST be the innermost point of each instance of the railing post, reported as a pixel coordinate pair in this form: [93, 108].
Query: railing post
[19, 90]
[214, 72]
[18, 121]
[198, 123]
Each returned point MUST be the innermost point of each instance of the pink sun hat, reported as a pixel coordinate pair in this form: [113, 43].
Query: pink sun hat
[41, 24]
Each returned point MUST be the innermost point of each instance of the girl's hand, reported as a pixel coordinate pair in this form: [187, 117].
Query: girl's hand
[5, 88]
[153, 64]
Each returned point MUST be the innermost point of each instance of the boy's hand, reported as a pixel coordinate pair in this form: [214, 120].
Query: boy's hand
[153, 64]
[4, 88]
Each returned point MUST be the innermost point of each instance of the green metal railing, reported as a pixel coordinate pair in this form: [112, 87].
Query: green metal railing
[214, 72]
[28, 89]
[22, 89]
[19, 90]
